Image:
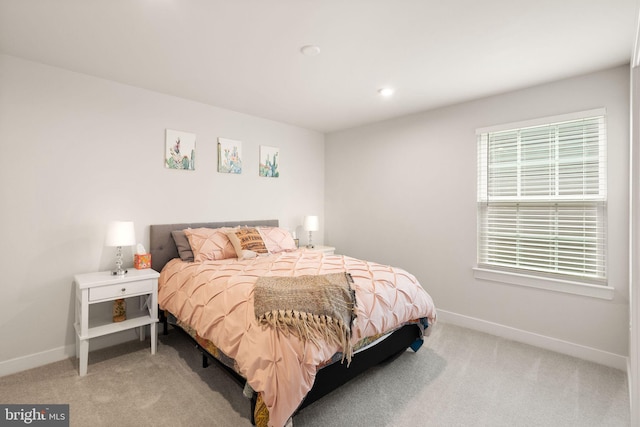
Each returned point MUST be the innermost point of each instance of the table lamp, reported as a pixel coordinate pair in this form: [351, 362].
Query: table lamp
[311, 224]
[119, 234]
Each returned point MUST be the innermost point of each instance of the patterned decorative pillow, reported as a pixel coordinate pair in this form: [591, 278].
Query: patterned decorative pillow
[246, 239]
[210, 244]
[277, 239]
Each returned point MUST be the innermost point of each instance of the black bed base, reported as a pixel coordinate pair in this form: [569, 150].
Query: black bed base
[331, 376]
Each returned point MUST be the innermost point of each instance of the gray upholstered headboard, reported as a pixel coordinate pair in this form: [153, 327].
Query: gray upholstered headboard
[163, 248]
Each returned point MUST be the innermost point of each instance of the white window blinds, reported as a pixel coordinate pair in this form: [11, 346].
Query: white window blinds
[542, 198]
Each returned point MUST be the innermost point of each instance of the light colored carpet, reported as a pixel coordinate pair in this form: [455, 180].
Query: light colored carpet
[459, 378]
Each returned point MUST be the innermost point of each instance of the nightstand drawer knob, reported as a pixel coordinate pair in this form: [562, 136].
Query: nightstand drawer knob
[123, 290]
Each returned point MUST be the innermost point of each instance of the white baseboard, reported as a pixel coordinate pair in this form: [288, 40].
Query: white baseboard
[35, 360]
[634, 403]
[576, 350]
[23, 363]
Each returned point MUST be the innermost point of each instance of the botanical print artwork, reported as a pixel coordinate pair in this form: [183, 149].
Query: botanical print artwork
[229, 156]
[269, 161]
[180, 150]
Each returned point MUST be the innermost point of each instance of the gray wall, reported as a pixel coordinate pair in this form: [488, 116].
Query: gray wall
[403, 192]
[80, 151]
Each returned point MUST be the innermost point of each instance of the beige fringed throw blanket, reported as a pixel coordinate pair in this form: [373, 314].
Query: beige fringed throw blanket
[310, 307]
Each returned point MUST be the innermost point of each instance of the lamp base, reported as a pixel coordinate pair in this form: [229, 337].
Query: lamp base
[118, 271]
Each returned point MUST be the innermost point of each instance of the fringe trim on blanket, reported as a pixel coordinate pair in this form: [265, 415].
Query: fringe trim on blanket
[314, 328]
[315, 324]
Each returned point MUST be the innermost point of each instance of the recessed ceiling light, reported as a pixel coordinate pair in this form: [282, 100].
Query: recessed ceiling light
[386, 92]
[310, 50]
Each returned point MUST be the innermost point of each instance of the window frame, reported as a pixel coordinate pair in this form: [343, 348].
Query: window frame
[598, 288]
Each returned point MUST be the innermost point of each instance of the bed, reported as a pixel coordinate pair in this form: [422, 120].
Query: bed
[219, 283]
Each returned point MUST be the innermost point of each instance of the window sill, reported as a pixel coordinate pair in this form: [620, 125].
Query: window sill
[565, 286]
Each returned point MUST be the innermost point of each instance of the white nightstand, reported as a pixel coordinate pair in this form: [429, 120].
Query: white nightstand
[101, 287]
[328, 250]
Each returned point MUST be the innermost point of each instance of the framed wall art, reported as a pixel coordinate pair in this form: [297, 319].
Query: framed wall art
[269, 161]
[180, 150]
[229, 156]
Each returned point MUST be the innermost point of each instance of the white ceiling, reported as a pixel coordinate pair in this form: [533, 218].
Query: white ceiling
[244, 55]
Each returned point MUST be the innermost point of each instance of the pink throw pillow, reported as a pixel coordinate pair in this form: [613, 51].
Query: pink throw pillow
[210, 244]
[277, 239]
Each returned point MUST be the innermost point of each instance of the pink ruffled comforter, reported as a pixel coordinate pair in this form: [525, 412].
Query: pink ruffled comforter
[216, 299]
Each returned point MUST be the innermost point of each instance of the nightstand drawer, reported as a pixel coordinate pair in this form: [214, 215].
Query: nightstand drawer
[120, 290]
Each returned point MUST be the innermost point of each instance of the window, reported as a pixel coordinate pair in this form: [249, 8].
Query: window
[542, 199]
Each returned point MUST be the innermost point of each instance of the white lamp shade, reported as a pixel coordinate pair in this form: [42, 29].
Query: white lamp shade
[311, 223]
[120, 233]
